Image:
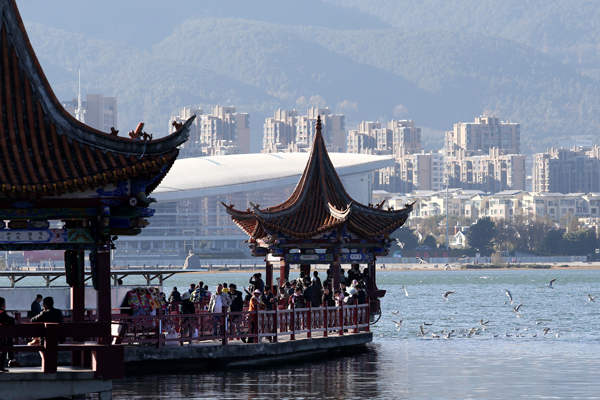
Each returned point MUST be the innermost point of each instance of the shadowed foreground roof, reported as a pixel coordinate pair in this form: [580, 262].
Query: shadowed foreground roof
[44, 151]
[318, 204]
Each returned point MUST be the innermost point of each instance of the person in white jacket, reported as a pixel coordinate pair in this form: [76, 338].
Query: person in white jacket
[219, 302]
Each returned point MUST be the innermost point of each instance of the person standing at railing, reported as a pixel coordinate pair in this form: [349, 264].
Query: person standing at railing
[327, 297]
[219, 302]
[267, 299]
[253, 305]
[36, 308]
[339, 298]
[317, 294]
[187, 325]
[237, 305]
[174, 297]
[6, 319]
[269, 302]
[257, 282]
[283, 296]
[297, 299]
[192, 288]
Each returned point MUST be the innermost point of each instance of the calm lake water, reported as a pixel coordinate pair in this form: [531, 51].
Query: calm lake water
[512, 358]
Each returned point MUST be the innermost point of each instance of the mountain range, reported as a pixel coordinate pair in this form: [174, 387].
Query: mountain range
[436, 62]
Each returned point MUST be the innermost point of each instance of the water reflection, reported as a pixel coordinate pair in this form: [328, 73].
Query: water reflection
[348, 377]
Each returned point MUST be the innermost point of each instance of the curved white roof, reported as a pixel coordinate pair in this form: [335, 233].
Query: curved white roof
[218, 175]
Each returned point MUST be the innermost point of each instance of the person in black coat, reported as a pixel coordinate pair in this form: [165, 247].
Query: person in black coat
[49, 314]
[187, 307]
[175, 296]
[8, 320]
[36, 308]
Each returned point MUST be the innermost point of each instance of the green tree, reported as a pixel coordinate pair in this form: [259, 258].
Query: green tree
[553, 242]
[407, 237]
[481, 235]
[429, 241]
[580, 242]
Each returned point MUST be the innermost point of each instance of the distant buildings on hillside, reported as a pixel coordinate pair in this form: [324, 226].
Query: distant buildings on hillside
[503, 205]
[480, 155]
[222, 132]
[288, 132]
[567, 170]
[100, 112]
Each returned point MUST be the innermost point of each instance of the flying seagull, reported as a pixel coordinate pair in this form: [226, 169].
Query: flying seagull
[517, 308]
[447, 335]
[398, 324]
[546, 330]
[446, 295]
[592, 298]
[423, 333]
[509, 296]
[483, 323]
[550, 284]
[405, 291]
[396, 313]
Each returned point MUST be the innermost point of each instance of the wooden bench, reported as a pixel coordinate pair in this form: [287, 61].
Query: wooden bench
[107, 360]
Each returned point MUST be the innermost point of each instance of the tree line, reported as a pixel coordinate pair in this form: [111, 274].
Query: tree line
[524, 234]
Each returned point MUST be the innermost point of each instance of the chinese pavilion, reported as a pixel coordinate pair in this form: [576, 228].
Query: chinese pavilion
[66, 186]
[321, 224]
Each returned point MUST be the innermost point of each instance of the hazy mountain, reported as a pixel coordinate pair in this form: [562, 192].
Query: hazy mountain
[434, 62]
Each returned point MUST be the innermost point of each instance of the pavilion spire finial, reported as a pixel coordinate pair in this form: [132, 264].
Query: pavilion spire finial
[318, 127]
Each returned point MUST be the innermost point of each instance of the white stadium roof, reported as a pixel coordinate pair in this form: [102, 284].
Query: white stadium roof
[221, 175]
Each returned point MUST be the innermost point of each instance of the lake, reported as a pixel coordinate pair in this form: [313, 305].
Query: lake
[511, 358]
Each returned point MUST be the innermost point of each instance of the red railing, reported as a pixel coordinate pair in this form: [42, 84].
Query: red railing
[170, 329]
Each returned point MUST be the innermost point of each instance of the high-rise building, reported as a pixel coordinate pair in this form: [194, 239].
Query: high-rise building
[480, 136]
[567, 170]
[224, 131]
[494, 172]
[288, 132]
[280, 131]
[100, 112]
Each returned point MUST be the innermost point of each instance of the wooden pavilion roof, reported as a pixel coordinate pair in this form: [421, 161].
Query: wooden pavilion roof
[44, 151]
[318, 204]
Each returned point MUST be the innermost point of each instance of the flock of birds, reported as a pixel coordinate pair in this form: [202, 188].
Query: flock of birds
[425, 327]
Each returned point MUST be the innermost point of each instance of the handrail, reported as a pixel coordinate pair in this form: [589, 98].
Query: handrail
[107, 358]
[171, 329]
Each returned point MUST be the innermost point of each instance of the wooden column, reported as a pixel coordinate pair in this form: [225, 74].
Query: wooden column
[372, 273]
[284, 271]
[269, 275]
[103, 295]
[305, 269]
[335, 274]
[74, 262]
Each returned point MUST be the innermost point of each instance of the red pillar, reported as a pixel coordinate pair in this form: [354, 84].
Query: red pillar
[103, 295]
[283, 271]
[305, 269]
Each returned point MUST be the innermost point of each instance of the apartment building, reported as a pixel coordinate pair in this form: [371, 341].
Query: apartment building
[480, 136]
[99, 112]
[567, 170]
[492, 173]
[288, 132]
[222, 132]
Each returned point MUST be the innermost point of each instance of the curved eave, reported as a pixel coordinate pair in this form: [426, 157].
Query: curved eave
[11, 18]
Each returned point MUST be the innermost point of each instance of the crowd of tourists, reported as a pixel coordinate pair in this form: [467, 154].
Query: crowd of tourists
[298, 293]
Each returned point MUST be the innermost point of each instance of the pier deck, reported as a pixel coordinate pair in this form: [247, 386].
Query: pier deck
[31, 383]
